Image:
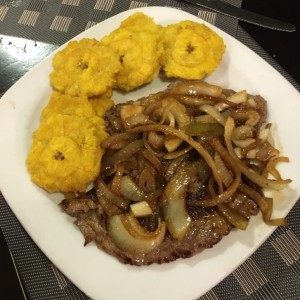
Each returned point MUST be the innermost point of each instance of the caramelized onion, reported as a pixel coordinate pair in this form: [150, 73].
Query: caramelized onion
[103, 191]
[156, 151]
[271, 166]
[265, 151]
[251, 174]
[175, 163]
[239, 97]
[175, 213]
[250, 116]
[135, 120]
[122, 154]
[212, 111]
[177, 153]
[118, 141]
[265, 205]
[128, 235]
[233, 217]
[193, 101]
[177, 110]
[171, 144]
[147, 181]
[197, 146]
[195, 88]
[242, 132]
[116, 182]
[223, 170]
[205, 119]
[198, 128]
[109, 208]
[156, 140]
[224, 196]
[140, 209]
[265, 133]
[130, 190]
[130, 110]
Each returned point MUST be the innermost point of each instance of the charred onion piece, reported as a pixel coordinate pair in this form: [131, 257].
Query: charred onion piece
[130, 236]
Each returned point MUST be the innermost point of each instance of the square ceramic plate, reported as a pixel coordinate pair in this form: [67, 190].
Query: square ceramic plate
[97, 274]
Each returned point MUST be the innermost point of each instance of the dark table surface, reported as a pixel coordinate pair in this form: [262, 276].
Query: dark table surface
[19, 55]
[283, 47]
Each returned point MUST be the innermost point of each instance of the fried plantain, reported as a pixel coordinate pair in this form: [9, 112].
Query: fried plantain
[85, 68]
[191, 50]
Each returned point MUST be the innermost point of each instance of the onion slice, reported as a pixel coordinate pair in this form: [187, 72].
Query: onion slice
[271, 166]
[265, 205]
[239, 97]
[122, 154]
[199, 128]
[253, 176]
[130, 190]
[118, 141]
[212, 111]
[195, 88]
[223, 170]
[175, 213]
[232, 188]
[103, 190]
[233, 217]
[128, 235]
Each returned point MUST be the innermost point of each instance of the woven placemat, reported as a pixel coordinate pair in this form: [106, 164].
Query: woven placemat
[57, 23]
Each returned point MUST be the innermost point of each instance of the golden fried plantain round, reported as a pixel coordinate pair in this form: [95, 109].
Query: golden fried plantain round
[191, 50]
[65, 154]
[85, 68]
[138, 43]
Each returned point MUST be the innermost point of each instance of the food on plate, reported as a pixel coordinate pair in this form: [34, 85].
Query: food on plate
[172, 173]
[181, 169]
[191, 50]
[65, 153]
[138, 44]
[85, 68]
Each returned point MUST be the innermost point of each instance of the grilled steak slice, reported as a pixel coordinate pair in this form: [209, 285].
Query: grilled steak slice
[208, 228]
